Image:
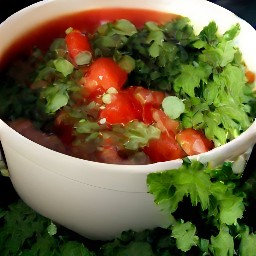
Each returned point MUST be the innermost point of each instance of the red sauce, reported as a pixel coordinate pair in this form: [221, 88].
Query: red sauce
[41, 36]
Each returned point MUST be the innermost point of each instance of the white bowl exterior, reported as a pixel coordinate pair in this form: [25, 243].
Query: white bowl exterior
[94, 199]
[94, 212]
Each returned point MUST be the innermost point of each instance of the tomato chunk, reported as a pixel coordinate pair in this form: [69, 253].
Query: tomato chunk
[103, 74]
[145, 96]
[147, 114]
[79, 48]
[250, 76]
[120, 110]
[145, 101]
[193, 142]
[164, 122]
[164, 149]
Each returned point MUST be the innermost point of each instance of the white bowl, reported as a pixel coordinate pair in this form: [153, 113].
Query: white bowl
[98, 200]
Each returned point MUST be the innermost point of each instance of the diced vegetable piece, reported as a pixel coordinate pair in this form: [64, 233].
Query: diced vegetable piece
[250, 76]
[120, 110]
[193, 142]
[146, 96]
[164, 149]
[103, 74]
[145, 101]
[165, 123]
[173, 106]
[78, 46]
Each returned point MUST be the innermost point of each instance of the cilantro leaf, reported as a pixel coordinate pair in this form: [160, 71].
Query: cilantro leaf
[170, 187]
[231, 33]
[56, 96]
[209, 34]
[247, 244]
[196, 73]
[25, 232]
[223, 243]
[74, 248]
[184, 233]
[230, 206]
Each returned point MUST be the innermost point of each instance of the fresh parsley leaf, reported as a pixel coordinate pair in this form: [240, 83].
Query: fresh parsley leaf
[74, 248]
[56, 97]
[215, 193]
[223, 243]
[185, 235]
[170, 187]
[209, 34]
[184, 86]
[247, 245]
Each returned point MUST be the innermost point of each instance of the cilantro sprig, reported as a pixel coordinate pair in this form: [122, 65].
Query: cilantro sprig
[205, 71]
[25, 232]
[218, 198]
[209, 209]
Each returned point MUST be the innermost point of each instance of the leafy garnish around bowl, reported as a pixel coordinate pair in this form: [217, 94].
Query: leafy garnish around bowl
[24, 232]
[214, 213]
[209, 207]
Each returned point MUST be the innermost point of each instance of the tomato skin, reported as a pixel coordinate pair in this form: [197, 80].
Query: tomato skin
[120, 110]
[250, 76]
[103, 74]
[145, 101]
[147, 114]
[164, 122]
[164, 149]
[78, 44]
[193, 142]
[145, 96]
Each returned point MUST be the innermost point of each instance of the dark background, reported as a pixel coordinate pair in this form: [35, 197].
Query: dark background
[245, 9]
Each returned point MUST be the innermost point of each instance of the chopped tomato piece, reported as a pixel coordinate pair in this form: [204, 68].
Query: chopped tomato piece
[147, 114]
[164, 149]
[103, 74]
[193, 142]
[145, 101]
[250, 76]
[145, 96]
[79, 48]
[120, 110]
[164, 122]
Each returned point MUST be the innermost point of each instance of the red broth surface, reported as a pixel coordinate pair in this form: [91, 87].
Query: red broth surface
[41, 36]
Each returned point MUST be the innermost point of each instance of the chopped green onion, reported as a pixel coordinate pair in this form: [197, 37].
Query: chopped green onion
[83, 58]
[63, 66]
[173, 106]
